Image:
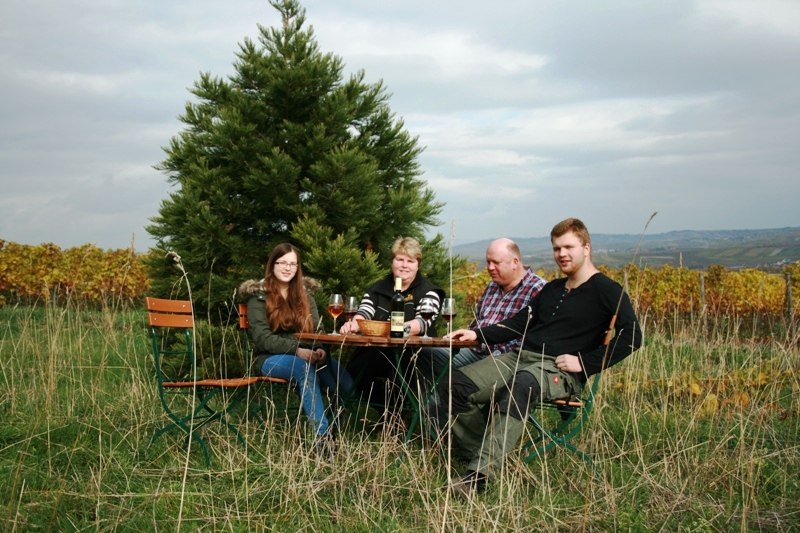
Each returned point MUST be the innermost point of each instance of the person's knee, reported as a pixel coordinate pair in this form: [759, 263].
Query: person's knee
[522, 392]
[459, 388]
[309, 375]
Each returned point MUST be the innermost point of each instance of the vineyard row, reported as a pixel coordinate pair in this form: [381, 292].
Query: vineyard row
[89, 274]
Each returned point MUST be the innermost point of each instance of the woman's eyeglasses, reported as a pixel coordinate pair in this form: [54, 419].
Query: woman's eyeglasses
[286, 264]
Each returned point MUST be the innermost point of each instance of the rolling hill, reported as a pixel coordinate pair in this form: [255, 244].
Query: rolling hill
[766, 249]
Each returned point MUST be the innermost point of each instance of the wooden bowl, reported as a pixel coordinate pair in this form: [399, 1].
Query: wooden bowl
[374, 328]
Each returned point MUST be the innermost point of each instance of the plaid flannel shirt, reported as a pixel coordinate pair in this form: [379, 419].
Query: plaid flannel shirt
[496, 305]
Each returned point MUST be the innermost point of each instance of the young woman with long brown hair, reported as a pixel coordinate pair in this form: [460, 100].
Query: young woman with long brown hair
[279, 306]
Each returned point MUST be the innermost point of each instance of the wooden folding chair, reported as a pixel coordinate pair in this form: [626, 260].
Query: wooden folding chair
[189, 401]
[573, 413]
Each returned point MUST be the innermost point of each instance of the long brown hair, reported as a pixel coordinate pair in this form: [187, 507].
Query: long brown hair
[293, 313]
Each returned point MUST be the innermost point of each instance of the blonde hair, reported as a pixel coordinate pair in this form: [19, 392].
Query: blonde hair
[407, 246]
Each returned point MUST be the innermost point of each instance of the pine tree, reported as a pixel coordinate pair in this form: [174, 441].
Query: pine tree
[287, 150]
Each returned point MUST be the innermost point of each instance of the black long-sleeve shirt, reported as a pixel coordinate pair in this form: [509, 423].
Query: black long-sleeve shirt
[558, 321]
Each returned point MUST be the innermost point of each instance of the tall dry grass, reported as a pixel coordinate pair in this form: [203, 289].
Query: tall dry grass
[697, 431]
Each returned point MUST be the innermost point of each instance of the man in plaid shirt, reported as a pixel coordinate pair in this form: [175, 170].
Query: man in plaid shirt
[512, 286]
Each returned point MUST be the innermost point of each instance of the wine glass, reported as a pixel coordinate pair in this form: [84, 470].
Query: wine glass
[426, 311]
[350, 308]
[335, 308]
[449, 311]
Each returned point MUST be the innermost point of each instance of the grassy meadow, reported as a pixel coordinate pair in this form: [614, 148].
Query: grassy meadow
[697, 431]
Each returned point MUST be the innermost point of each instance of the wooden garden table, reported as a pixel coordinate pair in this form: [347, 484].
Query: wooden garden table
[398, 345]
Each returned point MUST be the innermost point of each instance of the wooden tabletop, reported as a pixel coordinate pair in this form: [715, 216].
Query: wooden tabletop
[364, 340]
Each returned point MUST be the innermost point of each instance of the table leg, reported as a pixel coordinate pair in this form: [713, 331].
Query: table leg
[418, 405]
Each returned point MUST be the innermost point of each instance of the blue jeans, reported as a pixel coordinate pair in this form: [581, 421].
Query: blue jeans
[441, 358]
[308, 379]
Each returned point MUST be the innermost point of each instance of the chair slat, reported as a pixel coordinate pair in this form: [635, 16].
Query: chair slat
[163, 320]
[571, 403]
[270, 379]
[168, 306]
[226, 383]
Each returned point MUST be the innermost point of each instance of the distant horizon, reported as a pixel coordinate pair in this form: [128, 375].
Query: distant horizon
[762, 248]
[459, 244]
[648, 233]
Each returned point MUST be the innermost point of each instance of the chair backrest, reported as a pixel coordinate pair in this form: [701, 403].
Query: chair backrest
[243, 322]
[244, 326]
[164, 314]
[610, 331]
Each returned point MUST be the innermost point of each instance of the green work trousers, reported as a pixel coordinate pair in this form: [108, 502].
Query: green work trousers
[485, 436]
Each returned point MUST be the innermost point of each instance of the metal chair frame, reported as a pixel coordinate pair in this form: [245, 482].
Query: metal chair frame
[204, 400]
[574, 414]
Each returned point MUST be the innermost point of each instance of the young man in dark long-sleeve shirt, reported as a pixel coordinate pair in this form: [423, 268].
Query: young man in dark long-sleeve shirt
[563, 331]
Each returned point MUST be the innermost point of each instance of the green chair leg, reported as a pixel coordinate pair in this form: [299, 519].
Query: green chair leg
[573, 420]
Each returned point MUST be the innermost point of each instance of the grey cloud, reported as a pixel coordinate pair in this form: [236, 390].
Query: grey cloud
[695, 109]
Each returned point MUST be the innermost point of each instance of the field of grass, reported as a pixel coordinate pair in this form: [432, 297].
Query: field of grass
[698, 431]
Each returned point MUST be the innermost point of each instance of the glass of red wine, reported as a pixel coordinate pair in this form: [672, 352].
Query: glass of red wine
[350, 308]
[426, 311]
[449, 311]
[335, 308]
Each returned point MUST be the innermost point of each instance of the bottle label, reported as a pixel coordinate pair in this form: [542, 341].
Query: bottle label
[397, 316]
[397, 321]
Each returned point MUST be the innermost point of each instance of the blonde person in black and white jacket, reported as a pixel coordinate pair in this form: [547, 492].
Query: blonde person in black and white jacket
[375, 367]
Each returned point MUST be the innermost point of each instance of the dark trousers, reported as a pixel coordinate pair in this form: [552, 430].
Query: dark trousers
[376, 377]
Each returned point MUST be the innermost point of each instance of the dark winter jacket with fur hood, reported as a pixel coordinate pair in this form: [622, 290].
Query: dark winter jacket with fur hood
[265, 341]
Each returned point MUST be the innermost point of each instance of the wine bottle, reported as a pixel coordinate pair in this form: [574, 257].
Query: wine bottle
[398, 315]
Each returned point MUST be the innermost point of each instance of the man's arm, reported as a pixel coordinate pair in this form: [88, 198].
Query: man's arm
[626, 340]
[508, 329]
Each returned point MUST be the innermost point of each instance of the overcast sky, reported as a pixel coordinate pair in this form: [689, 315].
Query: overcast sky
[530, 111]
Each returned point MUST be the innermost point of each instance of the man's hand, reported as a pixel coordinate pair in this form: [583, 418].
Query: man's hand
[568, 363]
[462, 335]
